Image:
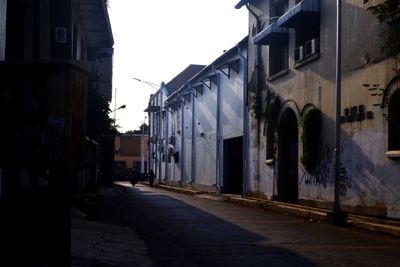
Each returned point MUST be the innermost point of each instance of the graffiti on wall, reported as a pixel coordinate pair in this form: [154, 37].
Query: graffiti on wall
[325, 172]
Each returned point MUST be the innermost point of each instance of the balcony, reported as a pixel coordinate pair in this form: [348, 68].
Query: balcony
[273, 33]
[304, 12]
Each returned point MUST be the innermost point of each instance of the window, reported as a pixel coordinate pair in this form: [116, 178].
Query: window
[278, 50]
[394, 122]
[278, 56]
[307, 39]
[276, 9]
[270, 153]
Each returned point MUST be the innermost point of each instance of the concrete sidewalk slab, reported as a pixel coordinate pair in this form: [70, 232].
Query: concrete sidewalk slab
[101, 244]
[387, 226]
[96, 243]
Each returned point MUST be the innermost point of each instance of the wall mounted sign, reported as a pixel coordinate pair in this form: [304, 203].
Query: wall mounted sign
[356, 113]
[61, 35]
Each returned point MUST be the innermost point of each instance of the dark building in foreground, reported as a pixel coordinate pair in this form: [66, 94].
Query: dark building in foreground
[49, 52]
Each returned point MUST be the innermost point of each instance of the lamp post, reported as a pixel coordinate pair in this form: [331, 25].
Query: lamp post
[142, 148]
[115, 112]
[154, 85]
[338, 216]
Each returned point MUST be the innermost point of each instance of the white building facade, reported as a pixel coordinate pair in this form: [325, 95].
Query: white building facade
[201, 128]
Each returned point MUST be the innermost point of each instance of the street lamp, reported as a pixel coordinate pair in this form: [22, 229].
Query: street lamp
[115, 112]
[121, 107]
[154, 85]
[142, 148]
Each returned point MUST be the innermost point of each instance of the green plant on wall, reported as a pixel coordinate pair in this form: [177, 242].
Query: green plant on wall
[256, 103]
[382, 11]
[310, 138]
[273, 103]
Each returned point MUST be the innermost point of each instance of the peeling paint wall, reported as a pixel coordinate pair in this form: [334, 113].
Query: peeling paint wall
[370, 55]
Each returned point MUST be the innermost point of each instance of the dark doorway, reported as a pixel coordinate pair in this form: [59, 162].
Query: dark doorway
[288, 157]
[233, 166]
[394, 121]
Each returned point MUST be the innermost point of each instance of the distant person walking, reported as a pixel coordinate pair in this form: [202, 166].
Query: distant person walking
[151, 177]
[133, 179]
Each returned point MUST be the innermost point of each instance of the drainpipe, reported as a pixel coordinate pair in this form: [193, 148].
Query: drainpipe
[151, 135]
[218, 132]
[160, 130]
[245, 122]
[156, 131]
[166, 144]
[182, 157]
[193, 163]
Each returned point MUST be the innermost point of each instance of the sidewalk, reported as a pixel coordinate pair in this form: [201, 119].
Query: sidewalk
[387, 226]
[95, 243]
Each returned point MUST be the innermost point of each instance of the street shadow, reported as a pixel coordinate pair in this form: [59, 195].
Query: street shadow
[179, 234]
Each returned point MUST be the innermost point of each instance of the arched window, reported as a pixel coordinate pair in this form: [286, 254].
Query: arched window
[394, 122]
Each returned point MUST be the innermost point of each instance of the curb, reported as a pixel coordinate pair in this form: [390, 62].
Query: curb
[179, 190]
[385, 226]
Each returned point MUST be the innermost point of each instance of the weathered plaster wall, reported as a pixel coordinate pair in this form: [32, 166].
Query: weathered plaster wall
[231, 105]
[187, 140]
[206, 136]
[372, 177]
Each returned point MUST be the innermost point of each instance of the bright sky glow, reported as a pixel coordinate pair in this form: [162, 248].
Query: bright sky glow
[156, 39]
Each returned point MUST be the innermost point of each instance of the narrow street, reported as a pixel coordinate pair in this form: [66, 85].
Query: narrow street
[181, 230]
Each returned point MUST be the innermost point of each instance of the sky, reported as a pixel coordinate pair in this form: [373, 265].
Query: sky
[154, 40]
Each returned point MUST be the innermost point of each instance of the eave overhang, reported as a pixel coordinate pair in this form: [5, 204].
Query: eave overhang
[242, 3]
[297, 15]
[270, 34]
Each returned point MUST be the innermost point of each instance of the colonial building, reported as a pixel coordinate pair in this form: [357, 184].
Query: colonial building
[159, 123]
[291, 70]
[200, 142]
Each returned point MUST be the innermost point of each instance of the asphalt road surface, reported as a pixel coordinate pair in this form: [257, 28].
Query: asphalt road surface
[181, 230]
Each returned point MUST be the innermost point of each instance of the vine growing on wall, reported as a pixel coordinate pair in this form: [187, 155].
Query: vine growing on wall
[273, 103]
[310, 138]
[382, 11]
[256, 103]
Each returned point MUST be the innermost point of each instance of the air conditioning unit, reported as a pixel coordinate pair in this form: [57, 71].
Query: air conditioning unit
[299, 53]
[312, 47]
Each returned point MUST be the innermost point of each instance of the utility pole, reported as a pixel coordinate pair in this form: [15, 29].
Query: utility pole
[338, 216]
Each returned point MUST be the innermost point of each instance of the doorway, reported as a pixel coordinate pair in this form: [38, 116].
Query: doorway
[233, 166]
[288, 157]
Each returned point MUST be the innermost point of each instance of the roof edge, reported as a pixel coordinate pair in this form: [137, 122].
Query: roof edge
[241, 3]
[108, 23]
